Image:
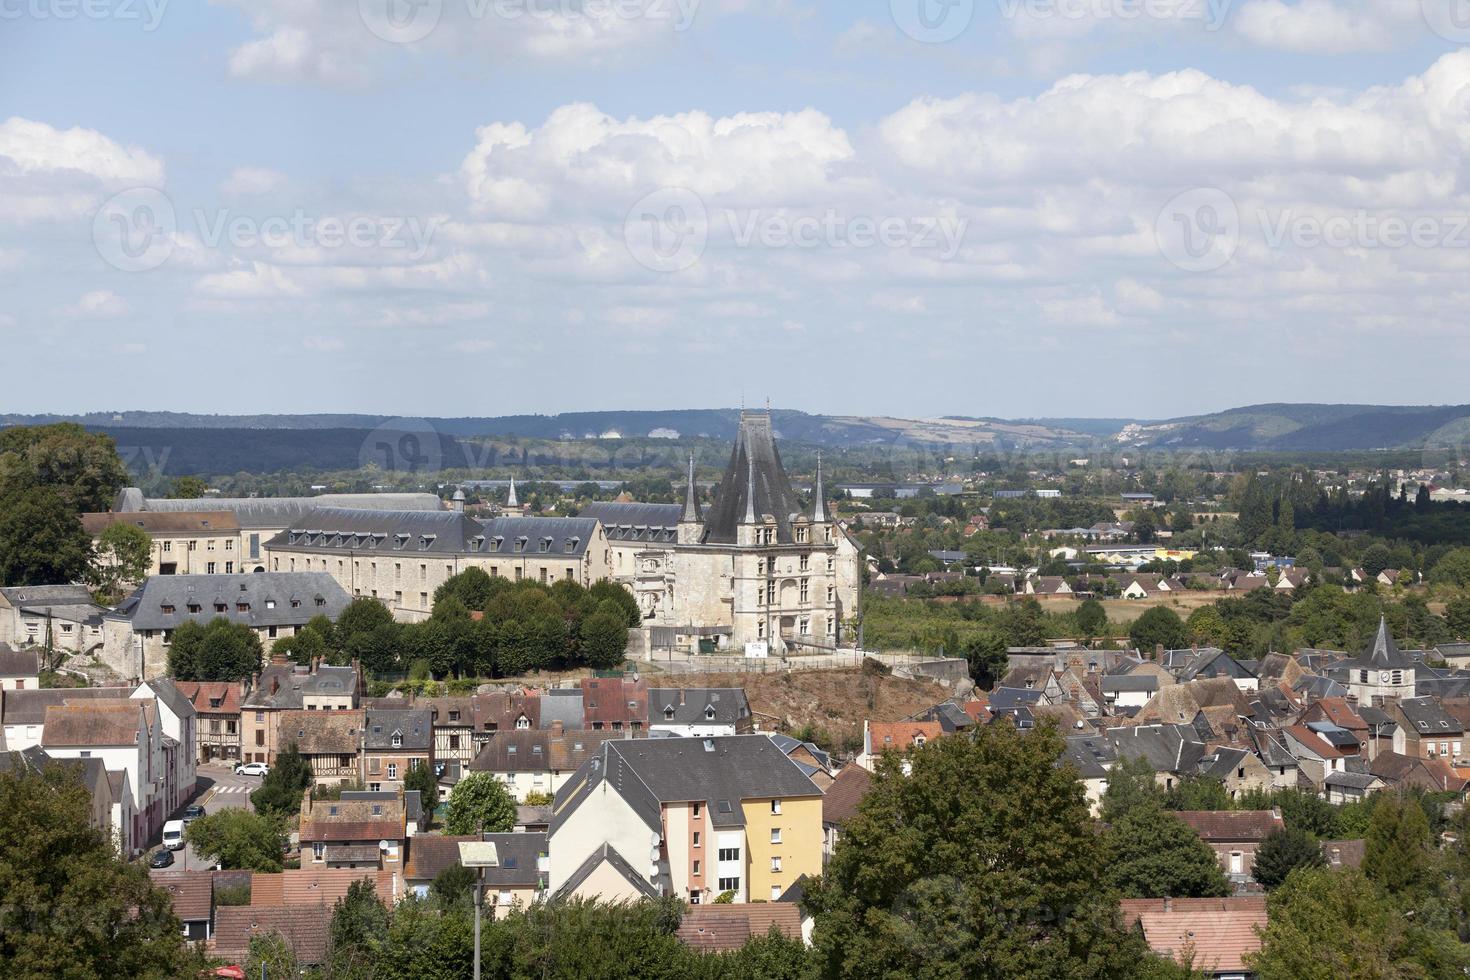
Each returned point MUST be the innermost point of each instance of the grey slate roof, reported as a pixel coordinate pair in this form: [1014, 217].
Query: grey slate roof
[1091, 755]
[658, 523]
[72, 603]
[442, 533]
[289, 686]
[1383, 653]
[1005, 698]
[18, 663]
[1351, 780]
[29, 707]
[719, 771]
[276, 512]
[754, 485]
[1168, 748]
[164, 690]
[268, 596]
[697, 705]
[1457, 686]
[413, 725]
[1428, 719]
[1128, 682]
[563, 704]
[518, 854]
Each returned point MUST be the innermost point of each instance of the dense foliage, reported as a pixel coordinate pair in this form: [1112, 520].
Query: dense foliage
[480, 803]
[218, 651]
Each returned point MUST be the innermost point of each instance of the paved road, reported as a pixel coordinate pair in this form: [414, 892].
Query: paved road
[218, 788]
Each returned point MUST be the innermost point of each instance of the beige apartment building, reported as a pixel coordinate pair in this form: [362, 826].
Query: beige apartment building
[184, 542]
[400, 558]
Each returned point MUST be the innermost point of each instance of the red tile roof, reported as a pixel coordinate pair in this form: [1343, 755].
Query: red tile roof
[102, 722]
[900, 735]
[719, 928]
[1212, 942]
[842, 798]
[310, 885]
[202, 693]
[1232, 825]
[192, 892]
[304, 927]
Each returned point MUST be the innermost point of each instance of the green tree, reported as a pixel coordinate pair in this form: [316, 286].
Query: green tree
[480, 803]
[187, 488]
[1092, 618]
[1159, 626]
[1198, 793]
[1132, 783]
[271, 955]
[72, 908]
[1153, 854]
[218, 651]
[124, 553]
[620, 596]
[41, 539]
[1457, 616]
[81, 467]
[362, 615]
[473, 587]
[981, 860]
[422, 778]
[237, 838]
[1376, 558]
[604, 637]
[279, 795]
[985, 649]
[455, 885]
[1325, 925]
[1207, 627]
[359, 921]
[1453, 568]
[1282, 853]
[1396, 855]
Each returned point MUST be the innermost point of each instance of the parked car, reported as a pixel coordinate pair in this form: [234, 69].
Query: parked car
[162, 858]
[193, 812]
[173, 834]
[252, 769]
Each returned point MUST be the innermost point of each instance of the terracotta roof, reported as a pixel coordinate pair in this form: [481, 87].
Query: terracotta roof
[101, 722]
[310, 885]
[610, 700]
[721, 928]
[1340, 713]
[1214, 942]
[321, 732]
[352, 820]
[204, 694]
[430, 855]
[163, 522]
[304, 927]
[1344, 853]
[846, 792]
[500, 709]
[191, 892]
[1232, 825]
[1132, 908]
[267, 889]
[900, 735]
[1316, 743]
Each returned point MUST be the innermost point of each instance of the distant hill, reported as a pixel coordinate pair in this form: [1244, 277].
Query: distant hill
[270, 443]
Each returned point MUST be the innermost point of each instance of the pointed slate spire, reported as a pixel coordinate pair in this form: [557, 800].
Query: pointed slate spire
[511, 500]
[819, 505]
[691, 504]
[749, 488]
[1385, 652]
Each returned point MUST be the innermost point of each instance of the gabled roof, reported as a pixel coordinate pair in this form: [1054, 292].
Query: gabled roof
[274, 512]
[99, 723]
[283, 686]
[316, 884]
[1216, 942]
[840, 803]
[658, 523]
[724, 928]
[1428, 719]
[18, 663]
[205, 694]
[304, 927]
[411, 726]
[258, 600]
[321, 732]
[1232, 825]
[606, 854]
[1383, 653]
[28, 707]
[191, 892]
[753, 487]
[697, 705]
[166, 522]
[368, 820]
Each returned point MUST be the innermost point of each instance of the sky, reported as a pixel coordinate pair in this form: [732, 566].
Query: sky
[1014, 208]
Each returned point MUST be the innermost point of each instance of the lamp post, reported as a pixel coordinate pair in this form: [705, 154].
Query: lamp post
[478, 855]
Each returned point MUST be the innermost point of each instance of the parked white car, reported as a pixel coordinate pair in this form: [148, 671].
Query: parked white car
[252, 769]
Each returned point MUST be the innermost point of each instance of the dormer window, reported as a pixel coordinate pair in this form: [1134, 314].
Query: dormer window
[167, 609]
[709, 712]
[521, 544]
[669, 711]
[545, 545]
[396, 741]
[573, 544]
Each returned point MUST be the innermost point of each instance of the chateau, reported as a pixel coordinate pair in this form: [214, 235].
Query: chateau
[755, 568]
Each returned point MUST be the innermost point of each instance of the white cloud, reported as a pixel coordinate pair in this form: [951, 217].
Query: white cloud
[98, 303]
[251, 181]
[1329, 26]
[56, 174]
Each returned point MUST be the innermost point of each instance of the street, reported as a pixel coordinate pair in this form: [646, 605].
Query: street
[218, 788]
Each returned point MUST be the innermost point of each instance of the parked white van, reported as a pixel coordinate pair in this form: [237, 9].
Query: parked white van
[173, 835]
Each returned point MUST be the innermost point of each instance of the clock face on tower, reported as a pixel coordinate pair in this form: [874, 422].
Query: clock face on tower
[1383, 677]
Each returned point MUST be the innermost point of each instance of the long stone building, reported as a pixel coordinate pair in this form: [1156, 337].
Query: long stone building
[402, 557]
[756, 569]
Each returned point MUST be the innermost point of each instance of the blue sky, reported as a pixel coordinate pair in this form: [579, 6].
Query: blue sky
[978, 207]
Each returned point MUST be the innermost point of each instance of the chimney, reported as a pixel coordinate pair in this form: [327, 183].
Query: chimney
[556, 729]
[1158, 651]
